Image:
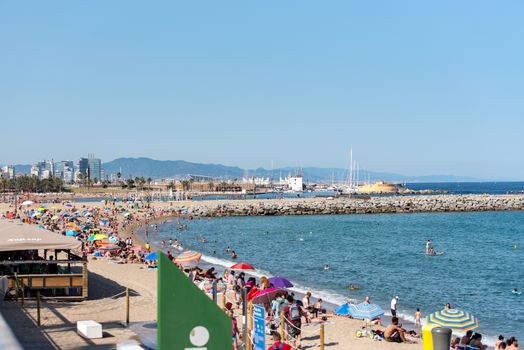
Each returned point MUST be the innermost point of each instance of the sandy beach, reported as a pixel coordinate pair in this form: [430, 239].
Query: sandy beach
[108, 281]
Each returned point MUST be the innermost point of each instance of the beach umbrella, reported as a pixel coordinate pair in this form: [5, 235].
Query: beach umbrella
[109, 248]
[188, 256]
[71, 233]
[151, 256]
[365, 311]
[280, 282]
[97, 237]
[24, 203]
[41, 209]
[127, 213]
[55, 217]
[40, 226]
[242, 266]
[88, 214]
[119, 206]
[343, 309]
[456, 319]
[68, 205]
[266, 295]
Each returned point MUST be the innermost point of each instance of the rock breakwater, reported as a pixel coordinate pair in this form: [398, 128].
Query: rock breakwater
[373, 205]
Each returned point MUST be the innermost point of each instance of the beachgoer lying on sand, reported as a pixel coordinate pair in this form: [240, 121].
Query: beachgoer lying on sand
[395, 333]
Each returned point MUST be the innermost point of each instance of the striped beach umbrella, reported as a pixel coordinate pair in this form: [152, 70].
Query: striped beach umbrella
[188, 256]
[365, 311]
[455, 319]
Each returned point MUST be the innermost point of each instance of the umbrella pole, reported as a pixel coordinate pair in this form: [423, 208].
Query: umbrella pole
[322, 336]
[244, 316]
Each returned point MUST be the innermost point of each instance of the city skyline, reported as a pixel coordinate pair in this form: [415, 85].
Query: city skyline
[414, 90]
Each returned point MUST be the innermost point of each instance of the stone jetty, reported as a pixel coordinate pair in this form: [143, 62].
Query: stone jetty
[373, 205]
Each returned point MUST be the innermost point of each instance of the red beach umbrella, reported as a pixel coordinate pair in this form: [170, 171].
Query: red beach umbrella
[266, 296]
[242, 266]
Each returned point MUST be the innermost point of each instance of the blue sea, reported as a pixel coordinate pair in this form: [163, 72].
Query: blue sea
[384, 255]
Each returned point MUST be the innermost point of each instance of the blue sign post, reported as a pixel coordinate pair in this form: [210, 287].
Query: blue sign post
[259, 327]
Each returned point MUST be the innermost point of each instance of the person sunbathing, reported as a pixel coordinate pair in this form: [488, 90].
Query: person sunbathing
[395, 333]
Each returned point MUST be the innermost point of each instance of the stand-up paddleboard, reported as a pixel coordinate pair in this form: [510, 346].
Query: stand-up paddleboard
[435, 254]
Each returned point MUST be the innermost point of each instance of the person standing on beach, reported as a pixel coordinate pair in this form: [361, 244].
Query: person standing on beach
[293, 316]
[394, 302]
[417, 318]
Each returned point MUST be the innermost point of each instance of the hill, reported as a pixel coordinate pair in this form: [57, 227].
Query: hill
[147, 167]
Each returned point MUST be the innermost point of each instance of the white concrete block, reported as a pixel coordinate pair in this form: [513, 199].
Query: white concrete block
[130, 345]
[89, 329]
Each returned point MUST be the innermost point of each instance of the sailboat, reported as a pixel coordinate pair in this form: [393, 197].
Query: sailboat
[351, 186]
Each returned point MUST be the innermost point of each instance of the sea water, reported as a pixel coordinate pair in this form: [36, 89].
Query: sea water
[382, 254]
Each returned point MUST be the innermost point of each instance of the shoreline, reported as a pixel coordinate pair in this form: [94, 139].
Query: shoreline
[144, 282]
[299, 290]
[223, 262]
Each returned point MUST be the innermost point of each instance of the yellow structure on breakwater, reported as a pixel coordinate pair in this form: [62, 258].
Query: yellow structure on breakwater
[380, 187]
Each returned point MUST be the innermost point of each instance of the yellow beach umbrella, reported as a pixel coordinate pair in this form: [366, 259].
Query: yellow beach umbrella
[97, 237]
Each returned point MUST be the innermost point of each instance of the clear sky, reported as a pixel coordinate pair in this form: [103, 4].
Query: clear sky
[415, 87]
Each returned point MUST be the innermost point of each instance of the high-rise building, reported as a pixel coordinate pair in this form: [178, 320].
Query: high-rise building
[95, 168]
[43, 169]
[8, 172]
[81, 169]
[64, 170]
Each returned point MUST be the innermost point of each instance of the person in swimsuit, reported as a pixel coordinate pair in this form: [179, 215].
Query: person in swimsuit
[394, 333]
[417, 318]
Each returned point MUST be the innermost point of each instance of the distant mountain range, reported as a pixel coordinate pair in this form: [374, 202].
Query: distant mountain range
[162, 169]
[157, 169]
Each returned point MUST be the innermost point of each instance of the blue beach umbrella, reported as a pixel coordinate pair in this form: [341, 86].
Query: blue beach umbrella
[152, 256]
[365, 311]
[71, 233]
[343, 310]
[455, 319]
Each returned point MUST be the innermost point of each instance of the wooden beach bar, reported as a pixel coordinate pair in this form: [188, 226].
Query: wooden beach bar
[34, 260]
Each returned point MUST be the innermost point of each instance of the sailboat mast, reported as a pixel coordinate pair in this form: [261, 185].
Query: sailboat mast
[351, 167]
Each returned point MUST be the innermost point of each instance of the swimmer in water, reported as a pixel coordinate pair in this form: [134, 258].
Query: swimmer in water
[233, 254]
[228, 250]
[326, 267]
[170, 242]
[163, 244]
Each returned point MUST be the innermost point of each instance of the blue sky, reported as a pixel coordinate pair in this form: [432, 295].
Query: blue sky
[415, 87]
